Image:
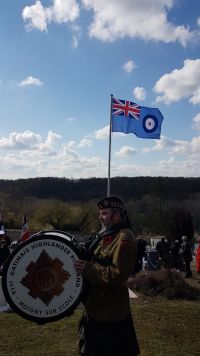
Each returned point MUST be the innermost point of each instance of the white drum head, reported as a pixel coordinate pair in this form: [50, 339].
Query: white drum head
[39, 281]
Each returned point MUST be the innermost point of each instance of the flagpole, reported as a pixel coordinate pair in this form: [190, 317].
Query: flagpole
[109, 149]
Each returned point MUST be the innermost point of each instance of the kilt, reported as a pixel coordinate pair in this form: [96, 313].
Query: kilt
[108, 339]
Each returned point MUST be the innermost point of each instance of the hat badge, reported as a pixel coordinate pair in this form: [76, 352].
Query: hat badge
[106, 202]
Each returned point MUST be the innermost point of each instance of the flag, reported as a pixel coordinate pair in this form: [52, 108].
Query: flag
[129, 117]
[25, 230]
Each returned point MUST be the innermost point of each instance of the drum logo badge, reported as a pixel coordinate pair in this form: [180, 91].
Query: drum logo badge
[45, 278]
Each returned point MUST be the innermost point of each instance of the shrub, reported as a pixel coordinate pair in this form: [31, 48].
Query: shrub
[167, 283]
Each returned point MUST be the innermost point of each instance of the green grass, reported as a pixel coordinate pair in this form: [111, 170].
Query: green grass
[164, 328]
[168, 327]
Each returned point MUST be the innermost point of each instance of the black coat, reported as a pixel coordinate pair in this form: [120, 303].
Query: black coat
[186, 251]
[4, 253]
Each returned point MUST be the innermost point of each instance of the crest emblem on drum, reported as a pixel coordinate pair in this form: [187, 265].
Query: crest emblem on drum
[45, 278]
[40, 282]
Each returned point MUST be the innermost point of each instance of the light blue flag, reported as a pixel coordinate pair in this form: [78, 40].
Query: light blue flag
[129, 117]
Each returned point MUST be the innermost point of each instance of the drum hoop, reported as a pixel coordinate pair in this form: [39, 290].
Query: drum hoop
[37, 237]
[54, 233]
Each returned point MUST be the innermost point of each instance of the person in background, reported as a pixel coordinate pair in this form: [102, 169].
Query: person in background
[198, 259]
[4, 254]
[7, 239]
[107, 328]
[187, 255]
[175, 255]
[163, 249]
[141, 253]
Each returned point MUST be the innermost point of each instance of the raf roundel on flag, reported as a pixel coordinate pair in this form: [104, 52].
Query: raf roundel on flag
[129, 117]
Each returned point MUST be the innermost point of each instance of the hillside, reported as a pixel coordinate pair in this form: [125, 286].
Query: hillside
[93, 188]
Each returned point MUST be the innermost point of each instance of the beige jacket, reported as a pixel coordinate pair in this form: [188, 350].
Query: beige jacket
[107, 297]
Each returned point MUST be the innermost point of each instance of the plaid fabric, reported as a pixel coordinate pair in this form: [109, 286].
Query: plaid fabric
[110, 202]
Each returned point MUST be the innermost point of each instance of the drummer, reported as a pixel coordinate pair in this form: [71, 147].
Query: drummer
[107, 329]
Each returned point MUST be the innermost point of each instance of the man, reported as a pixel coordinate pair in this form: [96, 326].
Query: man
[163, 249]
[175, 255]
[108, 327]
[187, 255]
[4, 254]
[141, 253]
[198, 259]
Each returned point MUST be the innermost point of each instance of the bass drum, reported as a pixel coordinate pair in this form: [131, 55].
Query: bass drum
[40, 282]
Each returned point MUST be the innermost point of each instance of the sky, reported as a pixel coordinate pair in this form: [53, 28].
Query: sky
[60, 60]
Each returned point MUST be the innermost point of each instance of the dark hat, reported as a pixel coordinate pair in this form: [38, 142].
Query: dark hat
[110, 202]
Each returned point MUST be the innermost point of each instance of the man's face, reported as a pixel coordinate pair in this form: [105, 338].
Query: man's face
[108, 218]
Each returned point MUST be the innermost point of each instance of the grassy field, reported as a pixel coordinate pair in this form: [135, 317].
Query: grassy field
[163, 327]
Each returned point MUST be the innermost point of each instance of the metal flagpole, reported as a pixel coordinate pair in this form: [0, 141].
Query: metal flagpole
[109, 150]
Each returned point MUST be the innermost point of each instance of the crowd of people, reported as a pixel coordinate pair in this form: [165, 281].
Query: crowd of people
[176, 254]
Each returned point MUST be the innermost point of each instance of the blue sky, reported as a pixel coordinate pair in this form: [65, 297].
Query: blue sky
[60, 61]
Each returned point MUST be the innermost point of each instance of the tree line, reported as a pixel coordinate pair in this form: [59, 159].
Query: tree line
[157, 205]
[94, 188]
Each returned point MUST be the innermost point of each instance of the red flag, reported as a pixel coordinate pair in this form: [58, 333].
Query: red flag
[25, 230]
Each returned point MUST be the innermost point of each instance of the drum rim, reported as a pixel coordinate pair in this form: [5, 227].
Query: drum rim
[49, 231]
[40, 236]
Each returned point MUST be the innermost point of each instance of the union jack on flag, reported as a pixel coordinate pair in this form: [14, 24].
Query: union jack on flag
[129, 117]
[125, 108]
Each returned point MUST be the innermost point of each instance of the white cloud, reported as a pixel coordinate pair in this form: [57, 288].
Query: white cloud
[187, 167]
[163, 143]
[17, 140]
[195, 99]
[52, 137]
[177, 147]
[126, 151]
[192, 147]
[139, 93]
[180, 83]
[102, 134]
[171, 167]
[36, 17]
[70, 144]
[62, 11]
[74, 42]
[30, 141]
[69, 119]
[42, 156]
[146, 19]
[196, 121]
[30, 81]
[76, 35]
[85, 143]
[71, 164]
[129, 66]
[113, 19]
[37, 156]
[198, 21]
[49, 146]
